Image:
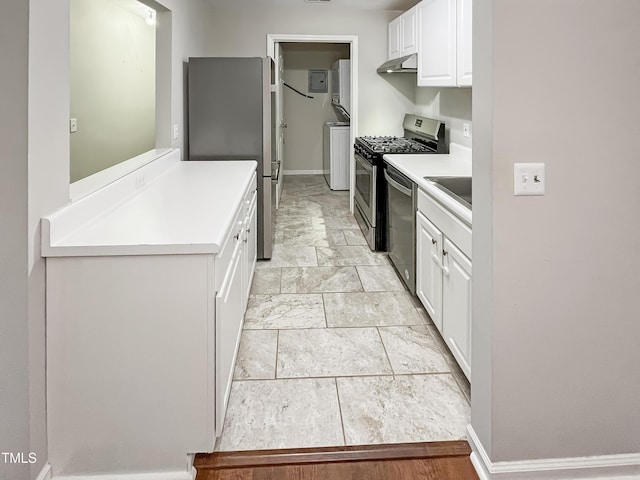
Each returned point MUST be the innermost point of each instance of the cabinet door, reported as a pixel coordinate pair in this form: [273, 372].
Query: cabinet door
[251, 251]
[437, 43]
[456, 305]
[409, 32]
[428, 273]
[229, 314]
[394, 38]
[464, 43]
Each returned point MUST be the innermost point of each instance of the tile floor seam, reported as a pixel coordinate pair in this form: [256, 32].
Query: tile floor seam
[288, 329]
[324, 308]
[360, 375]
[384, 347]
[344, 435]
[275, 373]
[316, 377]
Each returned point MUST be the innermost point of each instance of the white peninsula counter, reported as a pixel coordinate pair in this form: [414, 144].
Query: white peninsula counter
[147, 284]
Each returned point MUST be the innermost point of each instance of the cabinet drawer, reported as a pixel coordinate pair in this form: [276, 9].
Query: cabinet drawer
[236, 234]
[452, 227]
[224, 257]
[251, 191]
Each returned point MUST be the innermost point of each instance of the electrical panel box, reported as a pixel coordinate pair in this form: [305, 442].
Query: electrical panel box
[318, 81]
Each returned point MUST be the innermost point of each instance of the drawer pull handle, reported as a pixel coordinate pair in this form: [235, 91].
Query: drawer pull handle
[236, 237]
[433, 241]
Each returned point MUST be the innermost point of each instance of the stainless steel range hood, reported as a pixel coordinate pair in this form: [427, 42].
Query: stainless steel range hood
[407, 64]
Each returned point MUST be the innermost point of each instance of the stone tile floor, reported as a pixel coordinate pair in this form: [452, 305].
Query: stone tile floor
[334, 350]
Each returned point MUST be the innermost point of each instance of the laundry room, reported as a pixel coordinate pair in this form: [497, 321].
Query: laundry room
[308, 106]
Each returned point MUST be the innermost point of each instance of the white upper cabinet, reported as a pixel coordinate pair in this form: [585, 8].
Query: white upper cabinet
[395, 27]
[437, 62]
[465, 43]
[409, 32]
[444, 43]
[403, 34]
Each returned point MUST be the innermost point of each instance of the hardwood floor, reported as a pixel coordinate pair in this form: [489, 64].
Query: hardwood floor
[410, 461]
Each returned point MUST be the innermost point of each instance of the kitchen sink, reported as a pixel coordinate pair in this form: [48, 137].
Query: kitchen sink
[457, 187]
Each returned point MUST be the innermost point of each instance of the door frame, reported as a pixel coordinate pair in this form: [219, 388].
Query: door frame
[352, 40]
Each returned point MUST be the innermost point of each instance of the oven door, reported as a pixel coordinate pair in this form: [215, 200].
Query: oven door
[365, 191]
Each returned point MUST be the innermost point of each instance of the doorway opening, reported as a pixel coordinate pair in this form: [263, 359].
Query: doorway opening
[319, 49]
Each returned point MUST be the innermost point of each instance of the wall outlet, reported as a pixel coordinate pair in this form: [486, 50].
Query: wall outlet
[73, 125]
[528, 179]
[176, 131]
[466, 130]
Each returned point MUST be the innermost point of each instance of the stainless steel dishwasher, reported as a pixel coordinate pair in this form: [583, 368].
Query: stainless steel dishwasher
[401, 225]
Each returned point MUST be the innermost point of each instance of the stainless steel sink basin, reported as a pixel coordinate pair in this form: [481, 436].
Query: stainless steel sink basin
[457, 187]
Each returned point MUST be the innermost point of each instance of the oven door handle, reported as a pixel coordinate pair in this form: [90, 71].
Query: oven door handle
[397, 186]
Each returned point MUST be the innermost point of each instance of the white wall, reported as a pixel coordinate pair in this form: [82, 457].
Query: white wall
[450, 104]
[559, 328]
[113, 71]
[242, 32]
[305, 117]
[14, 333]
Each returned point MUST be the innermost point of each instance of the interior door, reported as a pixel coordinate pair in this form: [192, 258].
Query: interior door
[280, 124]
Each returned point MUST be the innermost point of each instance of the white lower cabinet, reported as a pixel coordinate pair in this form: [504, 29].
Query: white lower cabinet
[456, 304]
[141, 348]
[428, 274]
[443, 275]
[229, 318]
[250, 247]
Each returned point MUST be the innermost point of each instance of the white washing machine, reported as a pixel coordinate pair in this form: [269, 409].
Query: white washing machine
[337, 149]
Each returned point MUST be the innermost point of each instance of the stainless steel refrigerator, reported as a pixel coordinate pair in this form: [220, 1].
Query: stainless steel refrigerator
[230, 117]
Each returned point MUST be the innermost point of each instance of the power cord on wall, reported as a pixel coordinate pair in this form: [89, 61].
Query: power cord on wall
[297, 91]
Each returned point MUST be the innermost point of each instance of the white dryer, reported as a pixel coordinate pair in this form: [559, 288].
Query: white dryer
[337, 149]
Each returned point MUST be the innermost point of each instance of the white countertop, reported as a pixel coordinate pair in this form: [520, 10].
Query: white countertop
[455, 164]
[188, 208]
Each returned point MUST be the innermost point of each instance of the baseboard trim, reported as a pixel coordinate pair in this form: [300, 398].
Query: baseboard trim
[299, 456]
[45, 473]
[302, 172]
[610, 467]
[181, 475]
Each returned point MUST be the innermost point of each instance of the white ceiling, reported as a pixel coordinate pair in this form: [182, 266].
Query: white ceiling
[401, 5]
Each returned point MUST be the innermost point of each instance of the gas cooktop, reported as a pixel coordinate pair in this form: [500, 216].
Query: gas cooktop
[393, 145]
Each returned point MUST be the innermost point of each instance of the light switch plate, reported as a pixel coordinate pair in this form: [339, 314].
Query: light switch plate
[73, 125]
[528, 179]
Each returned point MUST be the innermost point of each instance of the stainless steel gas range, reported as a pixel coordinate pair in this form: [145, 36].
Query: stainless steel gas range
[422, 136]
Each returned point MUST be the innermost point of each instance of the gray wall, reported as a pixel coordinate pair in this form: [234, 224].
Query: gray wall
[559, 328]
[113, 96]
[243, 32]
[305, 117]
[34, 181]
[48, 179]
[14, 334]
